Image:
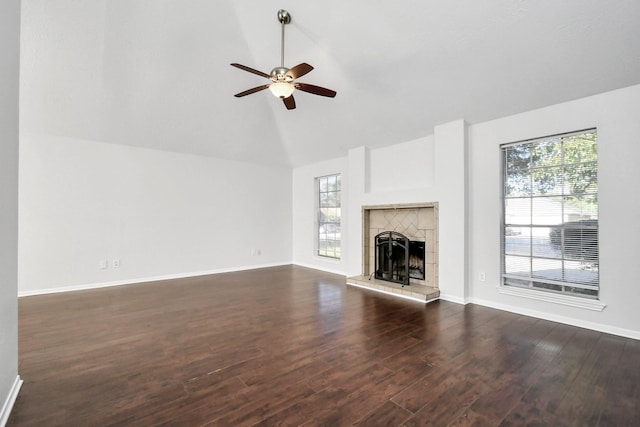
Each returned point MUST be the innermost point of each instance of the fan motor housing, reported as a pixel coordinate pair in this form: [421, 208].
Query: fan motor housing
[280, 74]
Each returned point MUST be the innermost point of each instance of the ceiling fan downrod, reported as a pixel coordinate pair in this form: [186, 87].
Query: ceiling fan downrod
[279, 73]
[285, 18]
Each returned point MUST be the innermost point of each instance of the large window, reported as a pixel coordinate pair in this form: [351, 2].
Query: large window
[550, 224]
[328, 224]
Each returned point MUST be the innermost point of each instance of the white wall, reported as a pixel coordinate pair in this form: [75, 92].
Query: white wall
[414, 158]
[615, 115]
[364, 177]
[433, 171]
[460, 169]
[161, 214]
[10, 48]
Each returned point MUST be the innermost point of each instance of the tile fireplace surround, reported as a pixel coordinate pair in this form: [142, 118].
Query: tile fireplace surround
[417, 221]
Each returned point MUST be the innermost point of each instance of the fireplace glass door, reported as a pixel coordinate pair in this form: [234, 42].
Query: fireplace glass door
[392, 257]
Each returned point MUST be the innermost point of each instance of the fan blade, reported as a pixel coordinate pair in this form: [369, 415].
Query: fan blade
[250, 91]
[289, 102]
[299, 70]
[251, 70]
[316, 90]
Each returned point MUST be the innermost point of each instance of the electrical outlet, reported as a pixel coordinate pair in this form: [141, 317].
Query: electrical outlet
[102, 264]
[483, 276]
[116, 263]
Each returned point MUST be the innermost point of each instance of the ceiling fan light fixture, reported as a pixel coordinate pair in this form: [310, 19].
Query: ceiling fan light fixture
[281, 89]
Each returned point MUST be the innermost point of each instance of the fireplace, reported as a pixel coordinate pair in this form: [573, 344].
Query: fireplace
[400, 248]
[397, 259]
[419, 223]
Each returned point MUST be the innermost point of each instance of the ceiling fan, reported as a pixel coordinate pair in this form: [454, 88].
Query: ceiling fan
[284, 79]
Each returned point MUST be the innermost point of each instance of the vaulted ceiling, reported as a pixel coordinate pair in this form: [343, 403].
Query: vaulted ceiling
[155, 73]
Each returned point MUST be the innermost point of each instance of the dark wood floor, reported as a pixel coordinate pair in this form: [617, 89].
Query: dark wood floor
[294, 346]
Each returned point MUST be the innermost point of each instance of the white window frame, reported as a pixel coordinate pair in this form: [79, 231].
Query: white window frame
[328, 232]
[530, 286]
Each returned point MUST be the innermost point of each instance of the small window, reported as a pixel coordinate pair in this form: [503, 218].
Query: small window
[328, 213]
[550, 221]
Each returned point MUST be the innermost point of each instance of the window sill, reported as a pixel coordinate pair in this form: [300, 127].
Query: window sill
[577, 302]
[327, 259]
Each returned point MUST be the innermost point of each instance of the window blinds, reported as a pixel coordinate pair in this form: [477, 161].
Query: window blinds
[550, 207]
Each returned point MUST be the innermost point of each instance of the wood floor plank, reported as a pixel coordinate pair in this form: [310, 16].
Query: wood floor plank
[448, 404]
[295, 346]
[584, 401]
[305, 410]
[525, 414]
[349, 379]
[469, 418]
[621, 406]
[417, 395]
[548, 387]
[263, 407]
[388, 414]
[495, 404]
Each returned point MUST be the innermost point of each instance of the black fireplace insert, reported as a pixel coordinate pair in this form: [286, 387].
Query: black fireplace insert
[397, 259]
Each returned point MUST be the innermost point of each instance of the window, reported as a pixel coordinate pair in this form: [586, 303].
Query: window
[328, 197]
[550, 223]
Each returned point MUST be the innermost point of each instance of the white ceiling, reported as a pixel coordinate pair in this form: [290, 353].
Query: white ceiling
[155, 73]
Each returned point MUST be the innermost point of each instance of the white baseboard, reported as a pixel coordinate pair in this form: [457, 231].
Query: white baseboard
[608, 329]
[627, 333]
[316, 267]
[453, 298]
[10, 401]
[88, 286]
